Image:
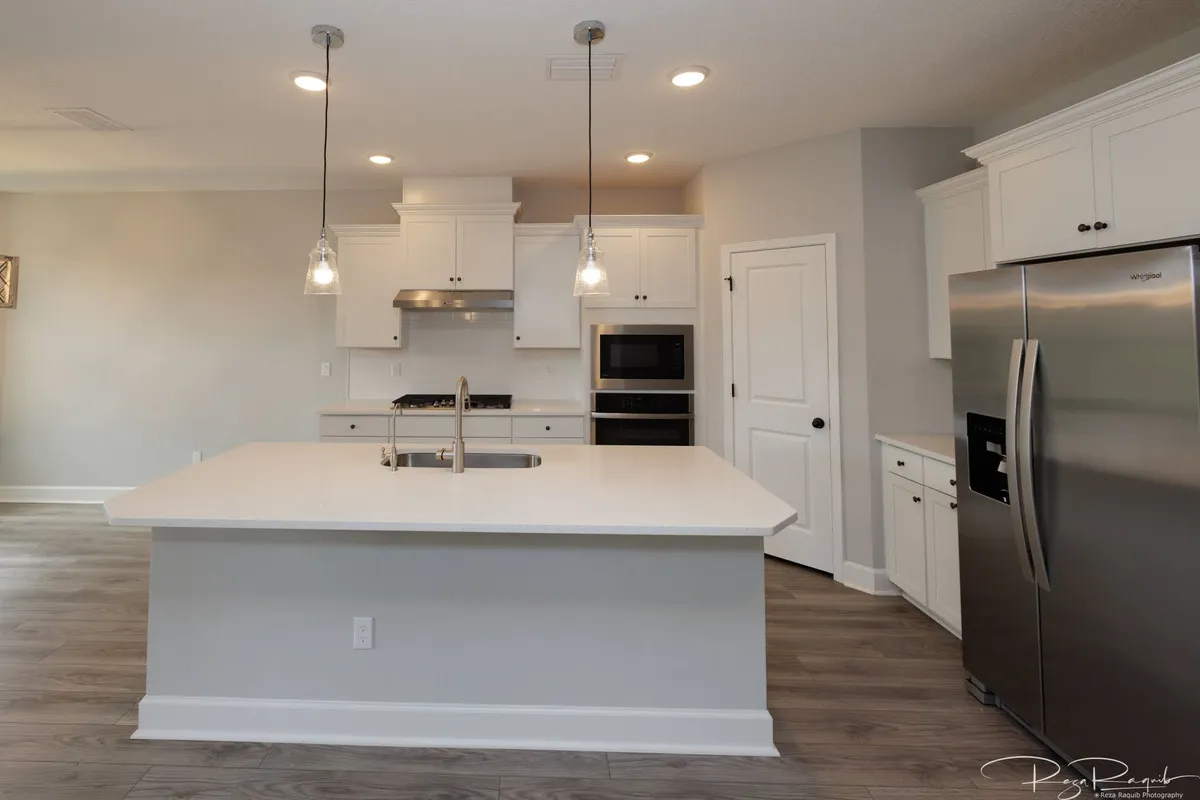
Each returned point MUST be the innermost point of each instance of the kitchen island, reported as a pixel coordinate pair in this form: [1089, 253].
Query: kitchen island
[609, 599]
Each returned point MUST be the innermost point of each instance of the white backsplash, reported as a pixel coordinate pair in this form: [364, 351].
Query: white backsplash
[439, 346]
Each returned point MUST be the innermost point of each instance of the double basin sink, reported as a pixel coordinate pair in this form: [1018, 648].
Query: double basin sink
[477, 460]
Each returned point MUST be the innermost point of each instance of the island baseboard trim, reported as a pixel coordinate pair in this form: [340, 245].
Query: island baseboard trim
[631, 730]
[60, 494]
[867, 579]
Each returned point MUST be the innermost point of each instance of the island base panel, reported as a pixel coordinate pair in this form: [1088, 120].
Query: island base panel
[623, 643]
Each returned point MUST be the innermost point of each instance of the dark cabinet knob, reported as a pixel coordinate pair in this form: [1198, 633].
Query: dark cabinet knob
[459, 279]
[518, 338]
[953, 506]
[452, 279]
[547, 427]
[352, 426]
[953, 482]
[395, 338]
[899, 463]
[645, 297]
[637, 297]
[916, 499]
[818, 423]
[1100, 226]
[1084, 227]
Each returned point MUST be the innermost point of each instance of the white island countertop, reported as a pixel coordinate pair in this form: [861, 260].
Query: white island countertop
[520, 408]
[578, 489]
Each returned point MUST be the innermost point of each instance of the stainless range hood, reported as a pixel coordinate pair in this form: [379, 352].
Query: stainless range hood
[459, 300]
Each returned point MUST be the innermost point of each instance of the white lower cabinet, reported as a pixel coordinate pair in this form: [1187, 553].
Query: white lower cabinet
[920, 529]
[439, 429]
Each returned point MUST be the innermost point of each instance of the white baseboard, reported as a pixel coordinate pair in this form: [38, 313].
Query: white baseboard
[60, 494]
[867, 579]
[630, 730]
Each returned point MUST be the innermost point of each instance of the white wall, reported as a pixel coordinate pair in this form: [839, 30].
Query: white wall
[150, 325]
[1175, 49]
[440, 346]
[562, 203]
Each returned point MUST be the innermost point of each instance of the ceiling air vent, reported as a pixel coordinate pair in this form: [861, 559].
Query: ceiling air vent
[574, 68]
[93, 120]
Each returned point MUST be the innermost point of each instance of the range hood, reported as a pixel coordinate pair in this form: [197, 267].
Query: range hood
[458, 300]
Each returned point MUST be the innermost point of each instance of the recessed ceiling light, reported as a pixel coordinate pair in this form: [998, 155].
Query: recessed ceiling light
[639, 157]
[309, 81]
[381, 158]
[689, 76]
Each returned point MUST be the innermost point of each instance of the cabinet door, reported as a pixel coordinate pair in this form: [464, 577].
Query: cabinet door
[1040, 197]
[545, 310]
[668, 260]
[1148, 173]
[485, 252]
[904, 534]
[430, 244]
[370, 268]
[941, 543]
[621, 252]
[956, 234]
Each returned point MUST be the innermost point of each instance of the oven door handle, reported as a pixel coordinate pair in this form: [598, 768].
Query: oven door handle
[606, 415]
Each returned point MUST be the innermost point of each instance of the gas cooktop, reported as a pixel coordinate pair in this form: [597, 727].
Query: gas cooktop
[446, 401]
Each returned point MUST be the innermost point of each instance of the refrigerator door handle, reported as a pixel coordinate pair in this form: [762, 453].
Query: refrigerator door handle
[1025, 465]
[1012, 411]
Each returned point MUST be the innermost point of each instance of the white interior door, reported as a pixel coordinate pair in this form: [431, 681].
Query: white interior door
[781, 400]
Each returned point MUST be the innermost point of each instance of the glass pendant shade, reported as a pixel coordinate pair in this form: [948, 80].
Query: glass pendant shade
[322, 271]
[591, 278]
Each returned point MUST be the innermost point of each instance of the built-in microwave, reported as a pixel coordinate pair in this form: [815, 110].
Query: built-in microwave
[642, 357]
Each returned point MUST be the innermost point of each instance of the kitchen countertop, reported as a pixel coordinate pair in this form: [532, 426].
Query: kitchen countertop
[578, 489]
[520, 408]
[939, 446]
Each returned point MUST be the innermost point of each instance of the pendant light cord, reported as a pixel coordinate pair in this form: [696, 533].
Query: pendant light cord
[590, 32]
[325, 146]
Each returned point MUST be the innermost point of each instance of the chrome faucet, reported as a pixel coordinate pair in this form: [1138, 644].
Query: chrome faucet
[395, 462]
[462, 399]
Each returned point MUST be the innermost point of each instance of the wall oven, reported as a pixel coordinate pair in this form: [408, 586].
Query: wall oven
[642, 418]
[638, 357]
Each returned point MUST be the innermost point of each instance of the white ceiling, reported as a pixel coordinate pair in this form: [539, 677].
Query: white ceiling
[458, 87]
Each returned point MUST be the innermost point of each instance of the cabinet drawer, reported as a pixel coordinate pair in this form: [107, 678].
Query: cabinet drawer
[443, 426]
[347, 425]
[547, 427]
[941, 476]
[902, 462]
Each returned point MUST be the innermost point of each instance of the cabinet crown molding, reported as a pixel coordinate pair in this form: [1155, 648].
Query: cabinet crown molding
[1143, 91]
[405, 209]
[366, 230]
[545, 229]
[956, 185]
[641, 221]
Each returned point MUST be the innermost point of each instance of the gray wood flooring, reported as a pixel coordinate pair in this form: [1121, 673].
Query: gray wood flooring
[866, 693]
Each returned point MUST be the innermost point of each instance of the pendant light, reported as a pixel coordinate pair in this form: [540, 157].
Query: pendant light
[322, 275]
[591, 278]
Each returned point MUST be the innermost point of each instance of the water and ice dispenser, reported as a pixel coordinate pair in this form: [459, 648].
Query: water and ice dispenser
[987, 463]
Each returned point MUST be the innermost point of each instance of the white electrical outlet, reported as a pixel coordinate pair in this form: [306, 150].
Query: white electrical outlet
[550, 369]
[396, 370]
[326, 369]
[197, 456]
[364, 633]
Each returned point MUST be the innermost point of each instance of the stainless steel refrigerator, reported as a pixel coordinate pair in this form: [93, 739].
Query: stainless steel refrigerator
[1077, 427]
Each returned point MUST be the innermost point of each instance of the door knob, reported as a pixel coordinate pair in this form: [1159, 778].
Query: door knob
[1101, 226]
[1084, 227]
[818, 423]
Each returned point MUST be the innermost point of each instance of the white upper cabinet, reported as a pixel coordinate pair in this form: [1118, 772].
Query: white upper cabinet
[956, 240]
[457, 246]
[545, 310]
[1148, 172]
[370, 265]
[1118, 169]
[648, 265]
[1043, 198]
[668, 257]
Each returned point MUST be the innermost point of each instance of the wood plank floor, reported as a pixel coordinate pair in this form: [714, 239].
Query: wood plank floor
[866, 693]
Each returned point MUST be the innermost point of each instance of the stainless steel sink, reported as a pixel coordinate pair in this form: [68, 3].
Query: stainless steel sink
[475, 460]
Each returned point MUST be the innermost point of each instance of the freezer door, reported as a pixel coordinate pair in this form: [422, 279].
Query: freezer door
[999, 599]
[1116, 485]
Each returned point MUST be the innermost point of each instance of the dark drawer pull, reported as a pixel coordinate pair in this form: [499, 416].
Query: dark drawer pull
[899, 463]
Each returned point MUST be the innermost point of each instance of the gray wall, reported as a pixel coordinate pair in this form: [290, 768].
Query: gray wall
[910, 392]
[858, 185]
[807, 188]
[1154, 58]
[562, 203]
